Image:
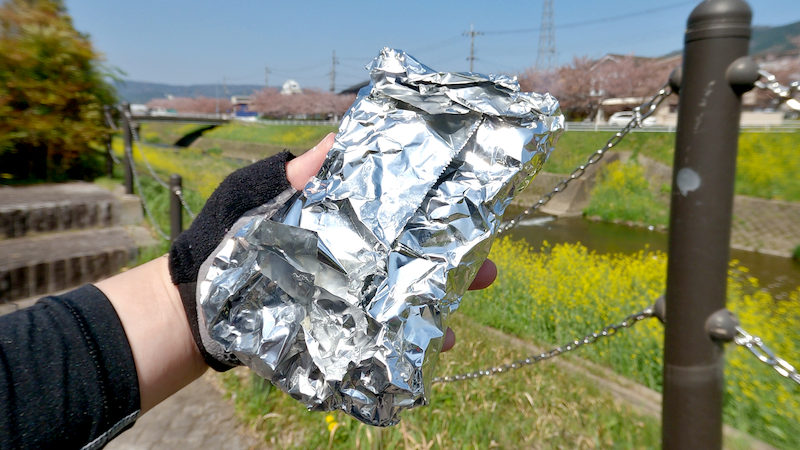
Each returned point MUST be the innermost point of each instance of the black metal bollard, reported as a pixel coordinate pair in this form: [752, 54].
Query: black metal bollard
[127, 134]
[109, 159]
[175, 213]
[715, 73]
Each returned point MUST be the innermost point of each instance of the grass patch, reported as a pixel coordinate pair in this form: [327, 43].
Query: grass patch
[542, 406]
[622, 193]
[557, 293]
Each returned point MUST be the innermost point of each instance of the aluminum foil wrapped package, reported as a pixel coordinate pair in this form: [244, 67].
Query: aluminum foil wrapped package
[339, 294]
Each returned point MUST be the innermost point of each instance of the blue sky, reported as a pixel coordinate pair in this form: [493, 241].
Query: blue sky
[205, 41]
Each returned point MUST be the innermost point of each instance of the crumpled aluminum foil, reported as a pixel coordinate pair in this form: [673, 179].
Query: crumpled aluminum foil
[339, 294]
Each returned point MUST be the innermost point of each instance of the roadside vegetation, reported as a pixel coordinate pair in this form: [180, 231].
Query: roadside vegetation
[767, 167]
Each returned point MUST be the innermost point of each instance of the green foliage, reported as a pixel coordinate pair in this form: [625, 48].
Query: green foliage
[51, 93]
[622, 193]
[545, 406]
[575, 147]
[557, 293]
[768, 165]
[796, 254]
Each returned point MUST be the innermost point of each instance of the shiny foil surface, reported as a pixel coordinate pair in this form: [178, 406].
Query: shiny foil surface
[339, 294]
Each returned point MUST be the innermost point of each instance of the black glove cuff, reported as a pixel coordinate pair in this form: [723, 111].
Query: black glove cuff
[240, 192]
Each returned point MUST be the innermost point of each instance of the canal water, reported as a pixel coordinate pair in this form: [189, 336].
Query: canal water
[778, 275]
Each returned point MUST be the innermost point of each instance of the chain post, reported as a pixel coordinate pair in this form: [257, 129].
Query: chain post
[127, 134]
[175, 212]
[716, 40]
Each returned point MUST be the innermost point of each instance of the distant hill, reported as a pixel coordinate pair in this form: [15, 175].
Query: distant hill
[781, 39]
[143, 92]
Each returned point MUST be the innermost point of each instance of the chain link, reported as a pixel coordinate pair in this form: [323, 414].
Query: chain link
[785, 94]
[765, 355]
[641, 112]
[608, 331]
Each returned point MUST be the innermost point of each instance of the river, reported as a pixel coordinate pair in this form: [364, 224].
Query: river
[777, 275]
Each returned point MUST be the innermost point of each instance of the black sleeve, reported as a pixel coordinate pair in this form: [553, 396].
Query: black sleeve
[67, 376]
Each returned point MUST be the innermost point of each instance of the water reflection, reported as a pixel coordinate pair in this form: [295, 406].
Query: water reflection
[778, 275]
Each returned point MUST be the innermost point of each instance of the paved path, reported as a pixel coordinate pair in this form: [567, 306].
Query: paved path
[197, 417]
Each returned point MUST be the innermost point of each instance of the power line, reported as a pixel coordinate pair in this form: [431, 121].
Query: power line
[593, 21]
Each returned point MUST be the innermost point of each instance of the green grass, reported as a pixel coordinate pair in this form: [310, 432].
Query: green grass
[623, 194]
[542, 406]
[555, 294]
[767, 163]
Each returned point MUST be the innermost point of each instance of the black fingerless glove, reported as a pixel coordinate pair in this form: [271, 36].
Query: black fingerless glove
[240, 192]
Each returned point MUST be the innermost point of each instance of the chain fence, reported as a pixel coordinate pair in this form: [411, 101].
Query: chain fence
[607, 331]
[154, 175]
[752, 343]
[128, 154]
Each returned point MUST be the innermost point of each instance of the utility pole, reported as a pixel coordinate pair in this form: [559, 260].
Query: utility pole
[472, 33]
[266, 76]
[546, 58]
[216, 97]
[334, 62]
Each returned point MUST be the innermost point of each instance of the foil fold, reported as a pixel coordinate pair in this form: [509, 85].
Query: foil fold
[339, 294]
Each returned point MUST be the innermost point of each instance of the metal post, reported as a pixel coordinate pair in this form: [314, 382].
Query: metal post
[109, 158]
[175, 214]
[716, 40]
[127, 134]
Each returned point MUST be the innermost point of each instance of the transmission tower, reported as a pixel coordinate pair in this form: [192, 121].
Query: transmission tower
[472, 33]
[334, 62]
[546, 58]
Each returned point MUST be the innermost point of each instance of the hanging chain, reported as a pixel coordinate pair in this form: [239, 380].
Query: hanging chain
[640, 113]
[785, 94]
[147, 211]
[608, 331]
[154, 175]
[765, 355]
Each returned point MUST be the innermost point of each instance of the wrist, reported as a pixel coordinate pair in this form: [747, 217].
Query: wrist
[152, 315]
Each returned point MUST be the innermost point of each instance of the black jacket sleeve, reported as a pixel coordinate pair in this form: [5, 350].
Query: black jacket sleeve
[67, 376]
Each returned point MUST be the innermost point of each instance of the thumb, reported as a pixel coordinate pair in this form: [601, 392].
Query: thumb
[301, 169]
